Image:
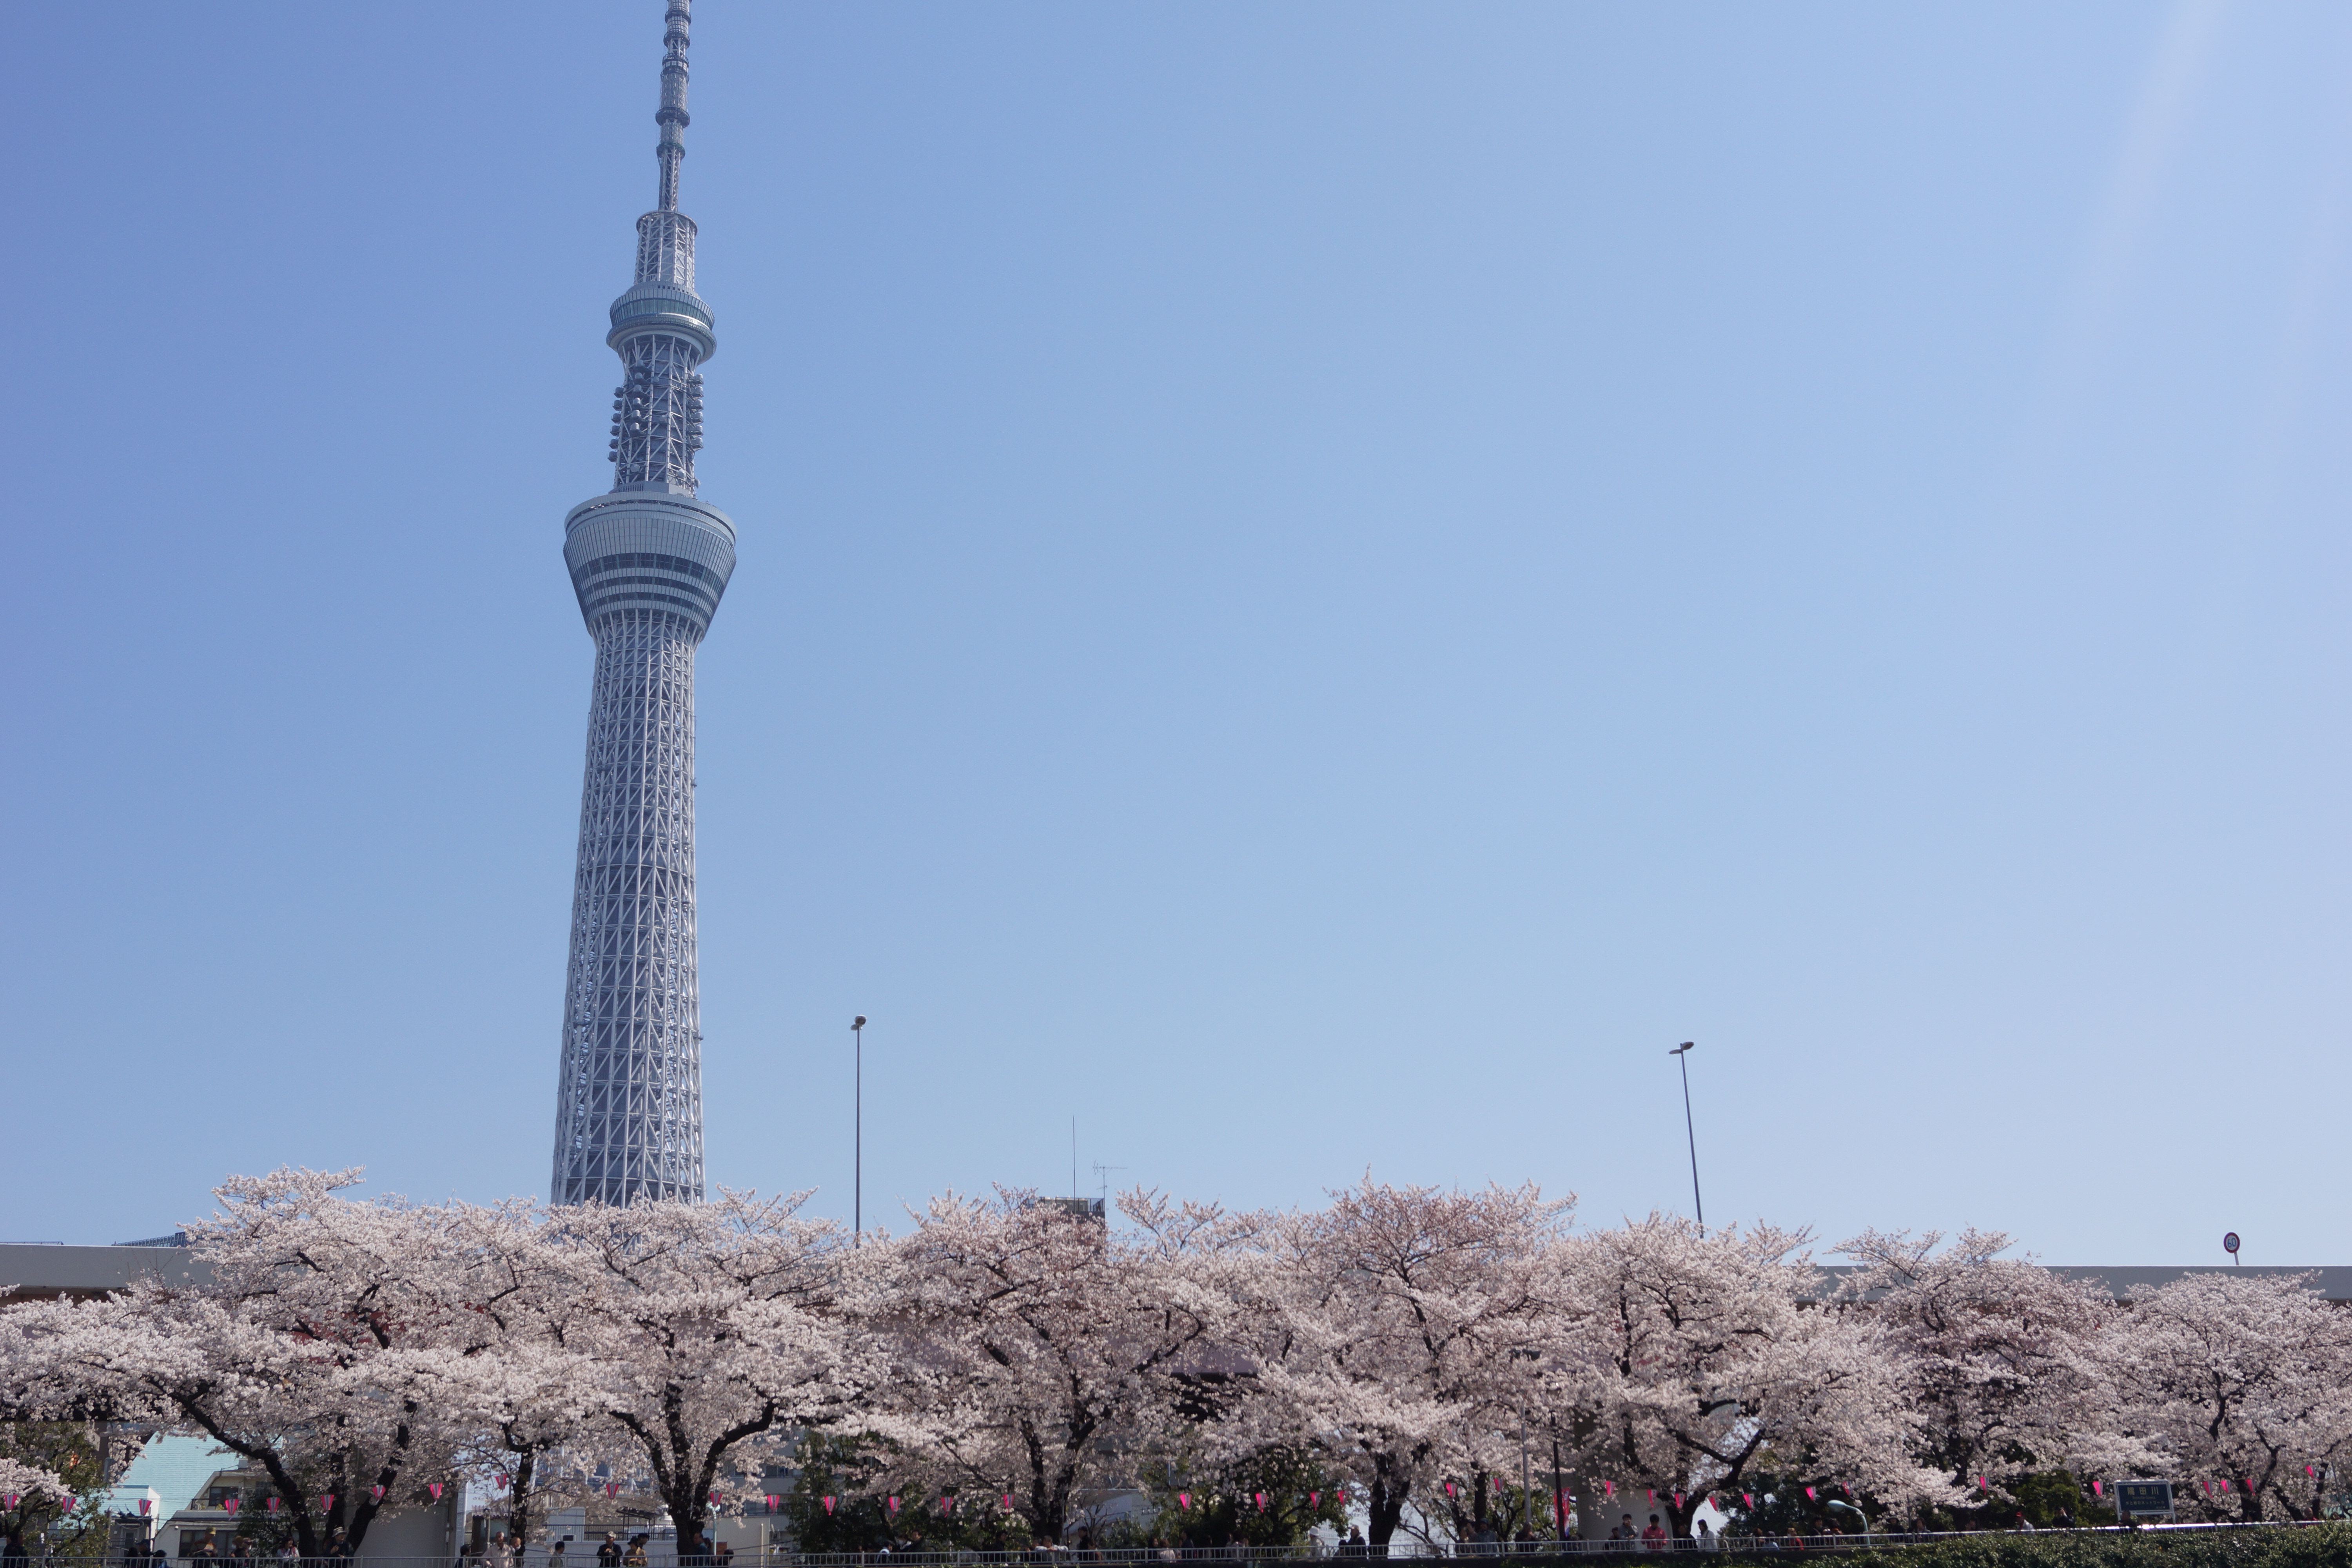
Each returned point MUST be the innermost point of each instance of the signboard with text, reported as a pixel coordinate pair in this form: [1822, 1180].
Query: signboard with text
[2143, 1499]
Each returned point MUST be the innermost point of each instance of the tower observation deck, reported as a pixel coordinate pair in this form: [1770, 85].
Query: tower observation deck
[650, 561]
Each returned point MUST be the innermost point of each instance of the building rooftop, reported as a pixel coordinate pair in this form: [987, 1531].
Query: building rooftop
[38, 1271]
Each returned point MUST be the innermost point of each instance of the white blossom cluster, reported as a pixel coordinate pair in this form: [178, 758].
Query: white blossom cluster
[1010, 1354]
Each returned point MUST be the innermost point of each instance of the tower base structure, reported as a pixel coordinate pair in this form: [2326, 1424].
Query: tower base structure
[649, 565]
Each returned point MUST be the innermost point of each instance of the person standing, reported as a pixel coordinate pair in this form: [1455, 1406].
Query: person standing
[609, 1554]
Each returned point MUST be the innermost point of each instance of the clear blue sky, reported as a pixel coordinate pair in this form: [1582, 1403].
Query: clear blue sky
[1319, 584]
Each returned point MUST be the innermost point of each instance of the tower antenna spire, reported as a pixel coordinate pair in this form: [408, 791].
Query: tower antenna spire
[672, 116]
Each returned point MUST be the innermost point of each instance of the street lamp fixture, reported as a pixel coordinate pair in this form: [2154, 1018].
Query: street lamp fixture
[1858, 1514]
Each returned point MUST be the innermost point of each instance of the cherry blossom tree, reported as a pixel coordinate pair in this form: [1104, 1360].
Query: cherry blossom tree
[1995, 1357]
[1404, 1314]
[705, 1331]
[30, 1496]
[1698, 1363]
[2238, 1384]
[523, 1391]
[314, 1352]
[1032, 1349]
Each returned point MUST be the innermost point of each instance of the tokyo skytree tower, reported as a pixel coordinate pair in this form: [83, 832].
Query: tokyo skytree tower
[650, 563]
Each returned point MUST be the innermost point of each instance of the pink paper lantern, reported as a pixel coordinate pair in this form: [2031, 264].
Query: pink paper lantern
[1748, 1500]
[828, 1505]
[1261, 1502]
[272, 1505]
[435, 1488]
[1809, 1496]
[714, 1500]
[1008, 1502]
[2098, 1489]
[612, 1488]
[228, 1503]
[1314, 1500]
[326, 1502]
[146, 1505]
[376, 1492]
[1184, 1499]
[894, 1505]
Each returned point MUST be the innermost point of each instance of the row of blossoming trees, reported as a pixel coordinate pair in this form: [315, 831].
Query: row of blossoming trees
[1008, 1358]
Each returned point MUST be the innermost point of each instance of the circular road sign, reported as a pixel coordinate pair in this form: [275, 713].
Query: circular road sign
[2230, 1244]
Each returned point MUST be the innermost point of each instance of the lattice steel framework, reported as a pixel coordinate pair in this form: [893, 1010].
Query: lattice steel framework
[650, 561]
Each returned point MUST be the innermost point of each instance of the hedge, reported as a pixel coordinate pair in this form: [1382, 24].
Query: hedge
[2312, 1546]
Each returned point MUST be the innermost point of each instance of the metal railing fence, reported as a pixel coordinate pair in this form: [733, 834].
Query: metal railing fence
[1781, 1548]
[1784, 1549]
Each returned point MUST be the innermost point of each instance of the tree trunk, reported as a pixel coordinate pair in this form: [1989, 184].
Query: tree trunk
[1387, 1510]
[519, 1522]
[290, 1491]
[682, 1478]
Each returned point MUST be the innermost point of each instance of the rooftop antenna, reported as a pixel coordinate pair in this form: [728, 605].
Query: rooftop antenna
[1102, 1179]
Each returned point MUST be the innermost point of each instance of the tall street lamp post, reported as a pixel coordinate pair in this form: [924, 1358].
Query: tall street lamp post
[857, 1135]
[1682, 1054]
